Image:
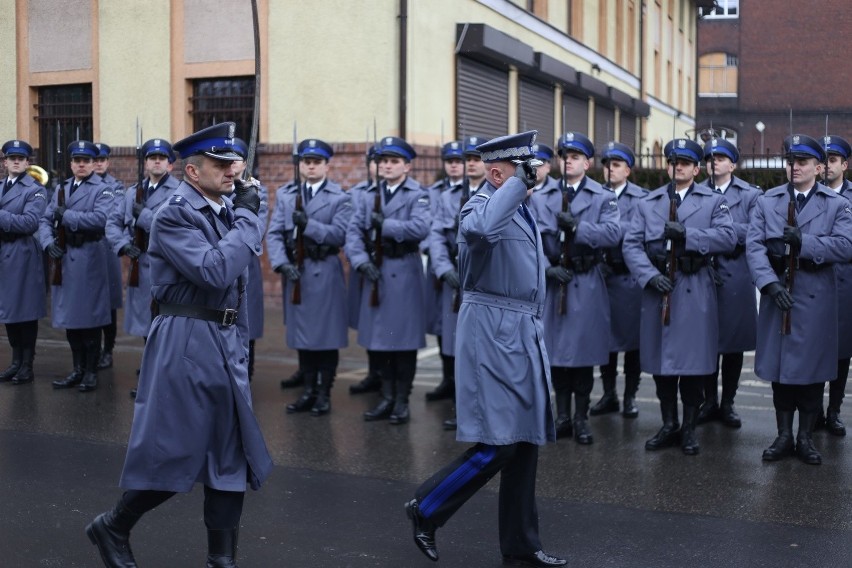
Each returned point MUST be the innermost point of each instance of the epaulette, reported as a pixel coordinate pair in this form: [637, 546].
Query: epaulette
[177, 200]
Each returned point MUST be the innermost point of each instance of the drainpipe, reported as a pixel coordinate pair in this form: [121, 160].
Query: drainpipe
[403, 65]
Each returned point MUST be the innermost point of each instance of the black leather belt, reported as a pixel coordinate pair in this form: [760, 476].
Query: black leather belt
[320, 252]
[226, 317]
[736, 253]
[11, 237]
[393, 249]
[78, 239]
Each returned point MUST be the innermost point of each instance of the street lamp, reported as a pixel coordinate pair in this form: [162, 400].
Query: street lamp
[760, 128]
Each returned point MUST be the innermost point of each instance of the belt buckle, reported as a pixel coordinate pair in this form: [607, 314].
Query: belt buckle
[229, 317]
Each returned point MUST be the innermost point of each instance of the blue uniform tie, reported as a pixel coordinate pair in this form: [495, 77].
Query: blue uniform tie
[800, 201]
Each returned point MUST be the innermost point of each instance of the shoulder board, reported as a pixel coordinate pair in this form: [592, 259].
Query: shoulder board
[177, 200]
[479, 195]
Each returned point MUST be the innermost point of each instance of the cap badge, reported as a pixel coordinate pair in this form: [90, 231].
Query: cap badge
[16, 143]
[81, 145]
[569, 137]
[158, 142]
[388, 141]
[827, 139]
[454, 145]
[681, 143]
[795, 139]
[231, 130]
[312, 143]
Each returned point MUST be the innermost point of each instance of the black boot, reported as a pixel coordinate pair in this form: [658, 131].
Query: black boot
[450, 424]
[833, 423]
[582, 434]
[322, 405]
[13, 367]
[631, 387]
[222, 548]
[384, 409]
[90, 377]
[371, 383]
[669, 434]
[688, 443]
[105, 361]
[783, 444]
[609, 401]
[297, 379]
[710, 409]
[25, 373]
[76, 375]
[729, 416]
[110, 532]
[805, 448]
[400, 414]
[424, 530]
[836, 392]
[445, 390]
[308, 397]
[564, 426]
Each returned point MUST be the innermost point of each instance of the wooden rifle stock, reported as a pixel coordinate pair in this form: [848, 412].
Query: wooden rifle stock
[564, 258]
[790, 272]
[378, 250]
[296, 298]
[139, 236]
[671, 266]
[59, 230]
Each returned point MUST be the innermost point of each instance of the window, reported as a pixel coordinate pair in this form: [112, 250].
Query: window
[223, 99]
[64, 114]
[722, 9]
[717, 75]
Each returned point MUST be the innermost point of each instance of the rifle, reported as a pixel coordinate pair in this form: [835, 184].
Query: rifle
[296, 298]
[139, 236]
[465, 197]
[671, 261]
[376, 236]
[792, 255]
[58, 227]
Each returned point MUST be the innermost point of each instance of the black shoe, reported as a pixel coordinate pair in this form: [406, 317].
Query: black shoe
[13, 367]
[322, 405]
[450, 424]
[105, 362]
[606, 405]
[25, 373]
[582, 434]
[688, 443]
[538, 559]
[400, 414]
[444, 391]
[564, 427]
[221, 548]
[382, 411]
[668, 436]
[70, 381]
[370, 383]
[781, 448]
[297, 379]
[89, 382]
[630, 410]
[729, 416]
[110, 532]
[424, 530]
[302, 404]
[709, 412]
[833, 423]
[806, 451]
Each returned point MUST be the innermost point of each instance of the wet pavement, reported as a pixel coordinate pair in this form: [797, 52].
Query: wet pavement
[336, 495]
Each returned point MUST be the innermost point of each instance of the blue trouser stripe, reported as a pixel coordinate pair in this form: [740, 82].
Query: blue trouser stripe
[456, 480]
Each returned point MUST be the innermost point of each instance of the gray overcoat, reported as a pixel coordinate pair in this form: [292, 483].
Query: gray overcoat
[843, 274]
[254, 288]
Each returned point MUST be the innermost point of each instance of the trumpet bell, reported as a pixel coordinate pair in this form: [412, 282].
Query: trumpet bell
[38, 173]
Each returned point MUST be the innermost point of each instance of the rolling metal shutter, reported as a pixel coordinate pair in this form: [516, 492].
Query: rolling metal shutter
[627, 130]
[535, 112]
[604, 125]
[576, 112]
[482, 99]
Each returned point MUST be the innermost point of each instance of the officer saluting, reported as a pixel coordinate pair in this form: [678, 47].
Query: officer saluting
[679, 347]
[81, 304]
[22, 302]
[799, 360]
[194, 389]
[502, 377]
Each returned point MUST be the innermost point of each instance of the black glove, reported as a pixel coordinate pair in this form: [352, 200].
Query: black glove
[376, 220]
[793, 236]
[661, 283]
[526, 173]
[370, 271]
[566, 221]
[131, 251]
[559, 273]
[300, 219]
[289, 271]
[55, 251]
[137, 209]
[245, 195]
[779, 295]
[675, 231]
[58, 213]
[451, 277]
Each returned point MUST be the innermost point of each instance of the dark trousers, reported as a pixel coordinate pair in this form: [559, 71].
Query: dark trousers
[109, 332]
[448, 362]
[450, 488]
[322, 362]
[631, 365]
[805, 398]
[837, 387]
[578, 380]
[731, 366]
[397, 369]
[222, 509]
[372, 363]
[23, 334]
[79, 339]
[691, 389]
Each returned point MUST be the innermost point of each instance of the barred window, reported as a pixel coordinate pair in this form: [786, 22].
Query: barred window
[722, 9]
[223, 99]
[64, 114]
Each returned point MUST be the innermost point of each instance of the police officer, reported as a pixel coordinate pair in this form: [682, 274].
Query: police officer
[110, 330]
[838, 151]
[544, 153]
[578, 220]
[22, 302]
[625, 293]
[444, 250]
[679, 327]
[395, 216]
[81, 303]
[157, 188]
[502, 380]
[797, 329]
[315, 315]
[194, 389]
[734, 288]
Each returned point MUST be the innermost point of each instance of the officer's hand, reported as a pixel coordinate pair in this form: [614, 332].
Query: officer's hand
[661, 283]
[289, 271]
[526, 173]
[138, 208]
[779, 295]
[55, 251]
[131, 251]
[565, 221]
[559, 273]
[793, 236]
[451, 277]
[370, 271]
[58, 212]
[245, 195]
[376, 220]
[675, 231]
[300, 219]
